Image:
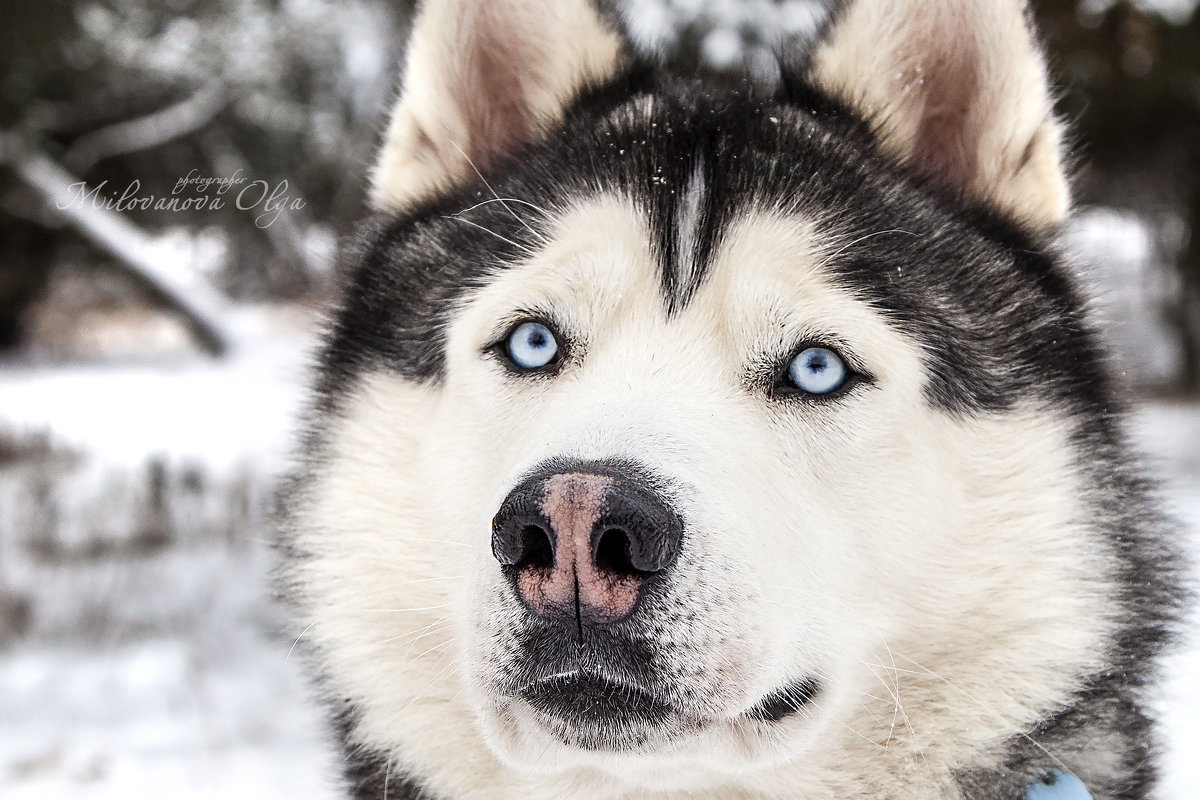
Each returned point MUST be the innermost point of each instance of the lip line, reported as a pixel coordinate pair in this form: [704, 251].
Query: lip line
[796, 696]
[579, 675]
[572, 674]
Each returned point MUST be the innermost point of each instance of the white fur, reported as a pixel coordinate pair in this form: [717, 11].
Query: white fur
[687, 231]
[937, 572]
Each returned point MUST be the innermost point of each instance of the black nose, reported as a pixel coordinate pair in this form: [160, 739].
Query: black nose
[583, 541]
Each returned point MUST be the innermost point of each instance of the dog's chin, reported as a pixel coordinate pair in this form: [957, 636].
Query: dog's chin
[576, 719]
[594, 713]
[631, 738]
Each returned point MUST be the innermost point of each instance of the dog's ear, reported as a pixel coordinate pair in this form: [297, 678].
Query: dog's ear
[957, 89]
[482, 78]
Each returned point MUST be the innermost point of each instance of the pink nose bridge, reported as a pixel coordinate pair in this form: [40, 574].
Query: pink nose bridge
[573, 503]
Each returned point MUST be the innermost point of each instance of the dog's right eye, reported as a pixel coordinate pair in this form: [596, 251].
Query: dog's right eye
[817, 370]
[531, 346]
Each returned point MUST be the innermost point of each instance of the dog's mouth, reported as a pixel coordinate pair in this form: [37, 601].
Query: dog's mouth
[612, 693]
[579, 696]
[594, 712]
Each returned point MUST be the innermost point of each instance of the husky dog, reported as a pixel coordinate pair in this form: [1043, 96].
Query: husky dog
[678, 441]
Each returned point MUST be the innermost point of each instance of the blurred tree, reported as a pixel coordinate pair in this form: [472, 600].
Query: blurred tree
[30, 61]
[125, 91]
[1131, 72]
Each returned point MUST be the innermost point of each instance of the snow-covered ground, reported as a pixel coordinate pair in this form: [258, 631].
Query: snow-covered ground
[146, 659]
[166, 717]
[1169, 434]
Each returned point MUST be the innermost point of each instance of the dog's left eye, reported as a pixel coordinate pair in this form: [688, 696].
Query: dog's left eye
[817, 370]
[531, 345]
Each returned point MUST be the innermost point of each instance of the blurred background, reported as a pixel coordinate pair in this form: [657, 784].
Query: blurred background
[174, 177]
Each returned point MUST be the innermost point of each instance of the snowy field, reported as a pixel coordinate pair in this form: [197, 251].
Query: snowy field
[140, 653]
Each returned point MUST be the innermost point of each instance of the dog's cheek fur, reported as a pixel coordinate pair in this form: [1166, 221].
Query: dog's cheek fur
[994, 588]
[979, 554]
[379, 572]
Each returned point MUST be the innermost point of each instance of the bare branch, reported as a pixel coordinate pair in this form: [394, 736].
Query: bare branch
[162, 126]
[141, 255]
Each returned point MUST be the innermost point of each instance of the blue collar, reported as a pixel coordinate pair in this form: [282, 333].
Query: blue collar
[1058, 785]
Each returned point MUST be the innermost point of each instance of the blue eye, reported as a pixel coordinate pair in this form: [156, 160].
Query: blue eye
[531, 345]
[817, 370]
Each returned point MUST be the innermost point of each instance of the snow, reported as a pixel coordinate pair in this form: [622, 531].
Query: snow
[154, 668]
[218, 412]
[158, 261]
[1169, 434]
[162, 717]
[149, 668]
[1124, 269]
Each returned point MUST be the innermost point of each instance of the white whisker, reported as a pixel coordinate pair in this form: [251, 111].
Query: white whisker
[412, 610]
[985, 707]
[429, 541]
[520, 247]
[537, 235]
[845, 247]
[437, 625]
[537, 208]
[298, 638]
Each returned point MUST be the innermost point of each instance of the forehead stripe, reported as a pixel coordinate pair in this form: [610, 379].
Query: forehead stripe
[685, 218]
[689, 216]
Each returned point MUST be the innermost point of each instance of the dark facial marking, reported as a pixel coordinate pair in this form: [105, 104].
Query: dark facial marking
[996, 317]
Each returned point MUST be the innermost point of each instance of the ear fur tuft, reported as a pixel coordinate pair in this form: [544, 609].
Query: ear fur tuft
[482, 78]
[958, 90]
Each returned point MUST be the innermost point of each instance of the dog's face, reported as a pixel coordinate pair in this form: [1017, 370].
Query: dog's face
[673, 510]
[669, 448]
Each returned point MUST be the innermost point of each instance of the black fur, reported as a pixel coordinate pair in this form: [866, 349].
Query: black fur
[997, 313]
[366, 772]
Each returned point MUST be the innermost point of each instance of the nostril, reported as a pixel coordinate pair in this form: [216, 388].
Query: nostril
[537, 549]
[522, 540]
[613, 553]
